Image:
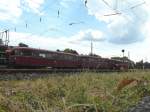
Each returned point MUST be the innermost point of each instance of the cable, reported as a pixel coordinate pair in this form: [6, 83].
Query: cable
[137, 5]
[117, 13]
[106, 3]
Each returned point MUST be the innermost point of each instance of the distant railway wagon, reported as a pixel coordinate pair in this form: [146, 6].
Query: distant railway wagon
[25, 57]
[89, 62]
[119, 65]
[93, 62]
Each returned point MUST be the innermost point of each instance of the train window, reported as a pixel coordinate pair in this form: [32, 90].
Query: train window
[68, 57]
[35, 53]
[55, 56]
[49, 55]
[60, 57]
[24, 53]
[13, 52]
[42, 55]
[74, 58]
[17, 52]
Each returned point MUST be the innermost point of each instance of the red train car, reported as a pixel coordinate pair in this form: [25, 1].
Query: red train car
[93, 62]
[25, 57]
[119, 65]
[35, 58]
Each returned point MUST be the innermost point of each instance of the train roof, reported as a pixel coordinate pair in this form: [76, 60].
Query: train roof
[119, 60]
[87, 56]
[41, 50]
[3, 46]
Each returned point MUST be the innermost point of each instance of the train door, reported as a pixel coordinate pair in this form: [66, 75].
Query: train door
[3, 57]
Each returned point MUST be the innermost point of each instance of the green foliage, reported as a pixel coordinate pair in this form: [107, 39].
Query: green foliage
[78, 92]
[22, 45]
[67, 50]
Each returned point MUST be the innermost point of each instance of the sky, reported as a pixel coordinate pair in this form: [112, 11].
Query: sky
[112, 25]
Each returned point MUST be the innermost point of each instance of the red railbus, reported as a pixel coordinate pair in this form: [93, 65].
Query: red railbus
[25, 57]
[35, 58]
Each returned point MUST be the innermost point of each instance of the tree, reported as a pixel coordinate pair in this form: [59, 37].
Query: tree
[95, 55]
[67, 50]
[58, 50]
[22, 45]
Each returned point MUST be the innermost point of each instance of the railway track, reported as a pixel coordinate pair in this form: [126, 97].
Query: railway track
[5, 70]
[38, 70]
[29, 74]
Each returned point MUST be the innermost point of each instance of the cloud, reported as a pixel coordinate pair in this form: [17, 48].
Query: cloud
[79, 41]
[124, 31]
[123, 28]
[10, 9]
[88, 35]
[67, 3]
[13, 9]
[33, 5]
[35, 40]
[83, 47]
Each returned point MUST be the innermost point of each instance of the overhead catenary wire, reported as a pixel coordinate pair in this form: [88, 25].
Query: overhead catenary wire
[28, 23]
[73, 23]
[112, 14]
[132, 8]
[117, 12]
[107, 4]
[40, 20]
[137, 5]
[58, 15]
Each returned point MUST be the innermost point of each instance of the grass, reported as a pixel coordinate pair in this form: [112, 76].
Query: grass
[79, 92]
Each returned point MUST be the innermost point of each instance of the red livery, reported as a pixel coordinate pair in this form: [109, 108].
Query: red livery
[25, 57]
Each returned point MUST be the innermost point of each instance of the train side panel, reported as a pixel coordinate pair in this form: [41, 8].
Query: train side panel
[33, 58]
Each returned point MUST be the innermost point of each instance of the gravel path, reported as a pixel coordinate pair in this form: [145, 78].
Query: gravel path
[23, 76]
[142, 106]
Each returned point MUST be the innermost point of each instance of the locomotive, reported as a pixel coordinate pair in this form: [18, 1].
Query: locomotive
[26, 57]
